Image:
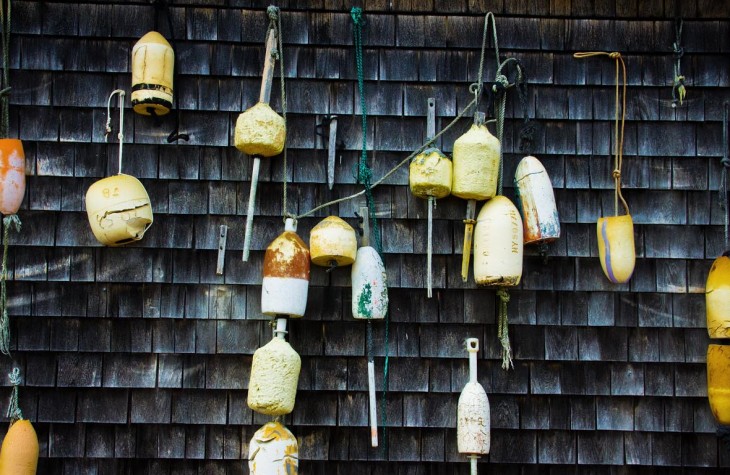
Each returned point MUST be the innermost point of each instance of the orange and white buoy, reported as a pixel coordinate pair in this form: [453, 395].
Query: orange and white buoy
[153, 69]
[717, 298]
[498, 244]
[285, 283]
[616, 247]
[273, 451]
[333, 243]
[536, 200]
[272, 387]
[473, 435]
[12, 175]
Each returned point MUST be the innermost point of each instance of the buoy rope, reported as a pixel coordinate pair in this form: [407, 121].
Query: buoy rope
[108, 127]
[5, 13]
[724, 194]
[620, 105]
[14, 413]
[503, 329]
[679, 92]
[8, 221]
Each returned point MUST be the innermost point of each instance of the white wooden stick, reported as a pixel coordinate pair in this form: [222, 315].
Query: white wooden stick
[331, 152]
[473, 464]
[429, 250]
[249, 213]
[373, 406]
[222, 238]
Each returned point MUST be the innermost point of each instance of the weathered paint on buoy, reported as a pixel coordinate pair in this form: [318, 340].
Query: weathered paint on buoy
[616, 247]
[472, 421]
[717, 298]
[260, 131]
[119, 210]
[718, 382]
[286, 274]
[273, 451]
[369, 285]
[272, 386]
[12, 175]
[19, 451]
[153, 69]
[536, 201]
[476, 164]
[430, 174]
[498, 244]
[333, 242]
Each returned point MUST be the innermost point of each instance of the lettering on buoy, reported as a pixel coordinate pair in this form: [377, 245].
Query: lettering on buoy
[498, 254]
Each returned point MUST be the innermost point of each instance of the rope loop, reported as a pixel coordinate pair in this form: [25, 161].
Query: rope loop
[273, 13]
[14, 413]
[356, 14]
[503, 295]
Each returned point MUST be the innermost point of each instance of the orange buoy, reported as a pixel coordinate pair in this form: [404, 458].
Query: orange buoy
[273, 451]
[536, 200]
[12, 175]
[286, 274]
[616, 247]
[332, 242]
[19, 451]
[498, 244]
[717, 298]
[153, 69]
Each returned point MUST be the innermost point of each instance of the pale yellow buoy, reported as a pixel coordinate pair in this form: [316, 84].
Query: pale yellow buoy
[616, 247]
[272, 386]
[285, 283]
[717, 298]
[473, 434]
[260, 131]
[119, 210]
[273, 450]
[333, 242]
[476, 164]
[498, 244]
[536, 200]
[153, 69]
[718, 382]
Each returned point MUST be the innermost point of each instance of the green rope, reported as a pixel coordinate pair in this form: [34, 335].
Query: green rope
[503, 330]
[8, 221]
[679, 92]
[4, 98]
[14, 413]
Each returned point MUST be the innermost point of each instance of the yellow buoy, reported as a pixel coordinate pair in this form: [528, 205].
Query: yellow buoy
[717, 298]
[273, 451]
[476, 164]
[285, 284]
[119, 210]
[272, 387]
[616, 247]
[498, 244]
[332, 242]
[153, 68]
[260, 131]
[718, 382]
[19, 451]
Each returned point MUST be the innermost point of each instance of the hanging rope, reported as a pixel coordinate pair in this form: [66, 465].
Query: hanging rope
[108, 127]
[618, 131]
[724, 195]
[12, 221]
[679, 92]
[5, 14]
[14, 413]
[503, 330]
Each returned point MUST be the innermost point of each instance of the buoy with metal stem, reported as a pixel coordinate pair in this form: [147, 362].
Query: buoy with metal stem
[430, 176]
[472, 421]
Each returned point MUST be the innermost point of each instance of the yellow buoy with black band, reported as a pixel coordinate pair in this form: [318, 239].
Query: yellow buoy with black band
[498, 244]
[273, 451]
[536, 201]
[333, 243]
[285, 284]
[717, 297]
[153, 69]
[616, 247]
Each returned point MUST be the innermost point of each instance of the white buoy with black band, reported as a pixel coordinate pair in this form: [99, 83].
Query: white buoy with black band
[285, 284]
[473, 419]
[153, 69]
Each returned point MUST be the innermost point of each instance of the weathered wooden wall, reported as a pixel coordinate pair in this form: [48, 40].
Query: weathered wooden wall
[136, 359]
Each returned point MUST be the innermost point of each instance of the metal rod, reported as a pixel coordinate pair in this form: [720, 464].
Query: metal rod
[429, 250]
[222, 238]
[431, 119]
[331, 152]
[471, 209]
[373, 406]
[251, 202]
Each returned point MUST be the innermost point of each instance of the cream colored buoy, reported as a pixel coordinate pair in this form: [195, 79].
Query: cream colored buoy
[717, 298]
[286, 274]
[272, 386]
[332, 242]
[616, 247]
[12, 175]
[473, 419]
[369, 285]
[498, 240]
[718, 382]
[153, 68]
[119, 210]
[273, 451]
[536, 200]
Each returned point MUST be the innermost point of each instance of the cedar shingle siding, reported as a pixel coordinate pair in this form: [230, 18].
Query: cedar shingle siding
[136, 360]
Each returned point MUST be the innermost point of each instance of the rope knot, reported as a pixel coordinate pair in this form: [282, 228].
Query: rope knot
[273, 12]
[470, 221]
[725, 162]
[503, 296]
[500, 81]
[616, 174]
[14, 377]
[356, 14]
[614, 55]
[365, 175]
[678, 50]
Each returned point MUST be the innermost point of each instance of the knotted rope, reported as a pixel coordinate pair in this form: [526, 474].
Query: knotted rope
[503, 330]
[678, 90]
[12, 221]
[14, 413]
[620, 106]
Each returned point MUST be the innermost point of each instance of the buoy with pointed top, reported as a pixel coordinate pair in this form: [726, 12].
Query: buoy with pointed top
[717, 298]
[12, 175]
[272, 387]
[285, 284]
[473, 419]
[333, 243]
[273, 451]
[616, 247]
[536, 201]
[498, 244]
[153, 69]
[718, 382]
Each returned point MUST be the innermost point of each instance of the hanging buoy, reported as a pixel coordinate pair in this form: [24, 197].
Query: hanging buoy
[333, 242]
[717, 298]
[119, 210]
[718, 382]
[475, 174]
[12, 175]
[273, 451]
[430, 176]
[472, 421]
[369, 285]
[286, 274]
[616, 247]
[153, 67]
[272, 387]
[498, 244]
[19, 451]
[536, 200]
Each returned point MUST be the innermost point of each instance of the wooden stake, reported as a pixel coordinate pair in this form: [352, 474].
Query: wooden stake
[222, 238]
[430, 132]
[331, 152]
[471, 210]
